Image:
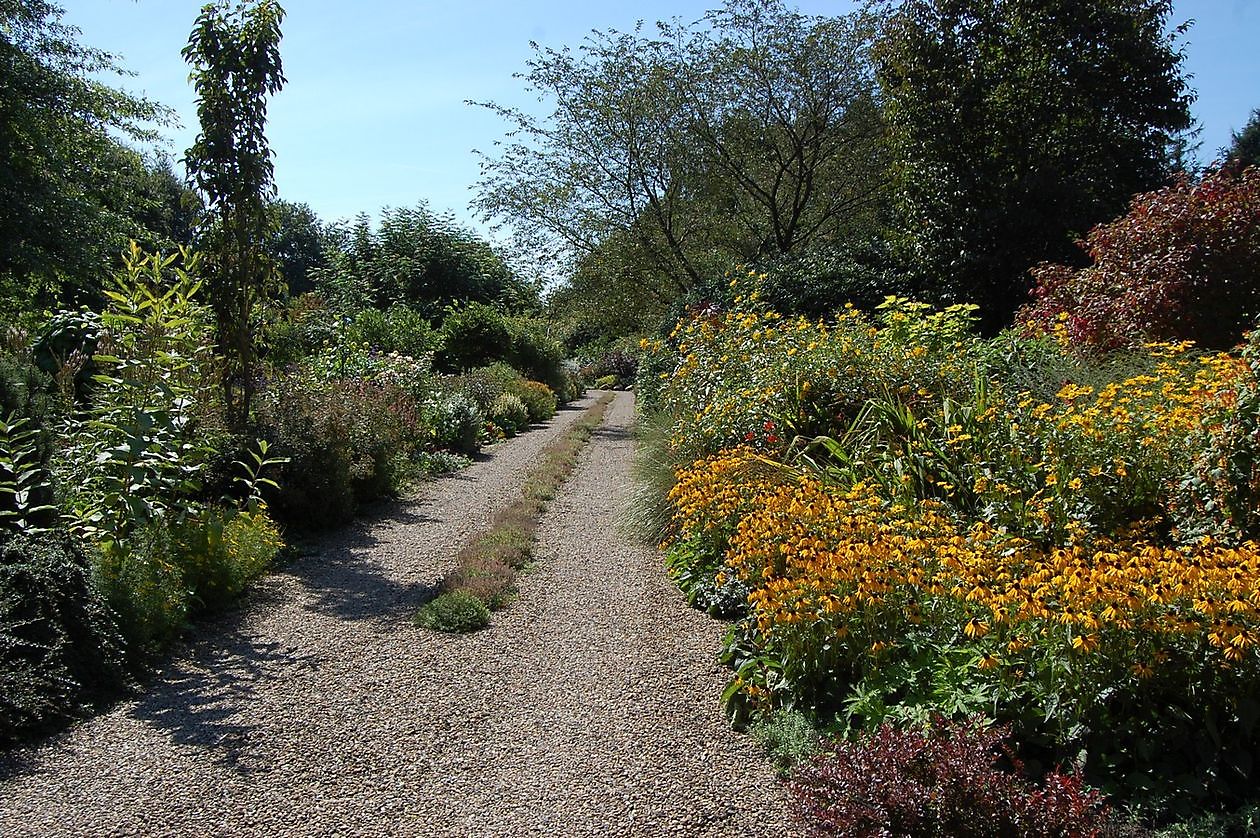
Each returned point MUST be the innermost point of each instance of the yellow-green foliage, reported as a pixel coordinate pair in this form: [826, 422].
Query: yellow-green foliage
[169, 571]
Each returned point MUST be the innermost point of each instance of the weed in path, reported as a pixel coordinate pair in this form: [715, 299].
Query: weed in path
[488, 564]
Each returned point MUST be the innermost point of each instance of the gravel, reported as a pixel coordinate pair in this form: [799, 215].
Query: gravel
[589, 707]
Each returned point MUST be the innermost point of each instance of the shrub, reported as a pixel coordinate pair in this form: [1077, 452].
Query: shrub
[456, 422]
[820, 282]
[473, 335]
[221, 551]
[485, 384]
[1184, 264]
[945, 781]
[536, 353]
[298, 330]
[437, 463]
[398, 329]
[59, 645]
[454, 612]
[143, 583]
[606, 382]
[539, 399]
[510, 414]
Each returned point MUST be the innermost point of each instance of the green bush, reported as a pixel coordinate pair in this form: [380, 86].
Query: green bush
[473, 335]
[510, 414]
[485, 384]
[347, 441]
[536, 353]
[788, 738]
[301, 423]
[456, 421]
[59, 645]
[222, 551]
[606, 382]
[538, 398]
[143, 583]
[456, 612]
[397, 329]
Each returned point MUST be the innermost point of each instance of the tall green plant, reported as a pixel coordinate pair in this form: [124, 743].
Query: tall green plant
[141, 446]
[235, 55]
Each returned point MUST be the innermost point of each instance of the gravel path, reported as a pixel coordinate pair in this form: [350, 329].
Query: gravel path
[589, 707]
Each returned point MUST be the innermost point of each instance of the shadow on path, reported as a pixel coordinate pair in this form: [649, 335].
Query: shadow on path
[202, 702]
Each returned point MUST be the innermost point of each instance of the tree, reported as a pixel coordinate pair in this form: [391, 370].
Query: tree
[234, 51]
[753, 131]
[417, 258]
[1017, 125]
[1244, 147]
[70, 191]
[297, 245]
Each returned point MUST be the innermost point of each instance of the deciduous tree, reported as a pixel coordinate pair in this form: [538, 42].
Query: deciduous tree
[70, 191]
[1017, 125]
[750, 132]
[234, 50]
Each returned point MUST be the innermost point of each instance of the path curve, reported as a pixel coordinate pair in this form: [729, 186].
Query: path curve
[587, 708]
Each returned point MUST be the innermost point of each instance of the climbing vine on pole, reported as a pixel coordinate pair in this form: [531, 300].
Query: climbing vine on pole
[234, 52]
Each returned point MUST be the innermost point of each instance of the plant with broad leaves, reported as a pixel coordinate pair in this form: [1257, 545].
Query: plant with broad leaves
[23, 479]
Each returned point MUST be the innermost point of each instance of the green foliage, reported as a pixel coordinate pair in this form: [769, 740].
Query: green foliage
[788, 737]
[234, 52]
[510, 414]
[24, 483]
[420, 260]
[143, 584]
[396, 329]
[539, 400]
[220, 552]
[1241, 823]
[72, 194]
[750, 132]
[345, 441]
[457, 422]
[455, 612]
[474, 335]
[172, 569]
[536, 352]
[1016, 126]
[144, 446]
[297, 244]
[1183, 264]
[60, 649]
[1244, 146]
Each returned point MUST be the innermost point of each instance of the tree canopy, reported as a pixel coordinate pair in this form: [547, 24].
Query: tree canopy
[420, 259]
[71, 193]
[754, 131]
[1244, 146]
[1018, 125]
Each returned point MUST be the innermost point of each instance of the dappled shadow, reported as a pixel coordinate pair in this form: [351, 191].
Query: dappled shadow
[613, 434]
[203, 701]
[346, 582]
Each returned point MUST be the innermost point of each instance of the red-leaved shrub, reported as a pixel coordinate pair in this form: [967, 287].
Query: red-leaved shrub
[1183, 264]
[945, 781]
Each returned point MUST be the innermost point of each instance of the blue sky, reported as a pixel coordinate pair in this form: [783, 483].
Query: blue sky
[373, 114]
